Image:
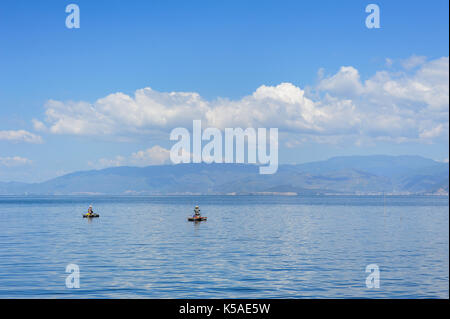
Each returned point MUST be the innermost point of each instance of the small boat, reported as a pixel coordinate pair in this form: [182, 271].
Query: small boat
[90, 215]
[197, 219]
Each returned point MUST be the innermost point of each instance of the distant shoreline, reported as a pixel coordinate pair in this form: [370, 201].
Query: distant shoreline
[230, 195]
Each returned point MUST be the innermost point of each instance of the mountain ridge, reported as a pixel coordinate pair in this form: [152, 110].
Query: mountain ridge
[337, 175]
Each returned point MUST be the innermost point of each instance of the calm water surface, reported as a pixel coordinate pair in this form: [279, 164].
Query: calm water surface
[250, 247]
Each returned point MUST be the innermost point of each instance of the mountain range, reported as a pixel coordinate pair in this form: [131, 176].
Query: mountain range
[338, 175]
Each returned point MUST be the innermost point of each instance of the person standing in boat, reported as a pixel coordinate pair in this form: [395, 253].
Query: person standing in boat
[196, 211]
[90, 210]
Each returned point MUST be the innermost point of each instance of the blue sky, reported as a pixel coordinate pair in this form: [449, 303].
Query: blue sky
[228, 50]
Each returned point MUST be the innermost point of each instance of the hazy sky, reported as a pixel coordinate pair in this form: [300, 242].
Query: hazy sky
[109, 92]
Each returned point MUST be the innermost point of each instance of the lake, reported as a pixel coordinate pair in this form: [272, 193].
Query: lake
[250, 247]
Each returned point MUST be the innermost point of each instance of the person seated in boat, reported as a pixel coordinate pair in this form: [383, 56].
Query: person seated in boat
[197, 212]
[90, 210]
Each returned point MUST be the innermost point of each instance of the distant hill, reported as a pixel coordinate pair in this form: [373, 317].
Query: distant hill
[338, 175]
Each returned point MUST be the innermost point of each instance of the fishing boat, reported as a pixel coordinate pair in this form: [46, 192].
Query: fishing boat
[197, 219]
[92, 215]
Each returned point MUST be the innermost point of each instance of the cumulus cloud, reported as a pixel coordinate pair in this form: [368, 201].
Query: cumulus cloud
[406, 105]
[413, 62]
[346, 82]
[38, 125]
[399, 105]
[14, 161]
[433, 132]
[20, 136]
[108, 162]
[155, 155]
[119, 113]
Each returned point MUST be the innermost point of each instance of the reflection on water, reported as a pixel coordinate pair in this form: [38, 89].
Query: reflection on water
[250, 247]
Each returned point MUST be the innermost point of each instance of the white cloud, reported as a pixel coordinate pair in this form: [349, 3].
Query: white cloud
[38, 125]
[426, 89]
[402, 106]
[20, 136]
[398, 106]
[105, 162]
[344, 83]
[119, 113]
[14, 161]
[432, 132]
[413, 61]
[155, 155]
